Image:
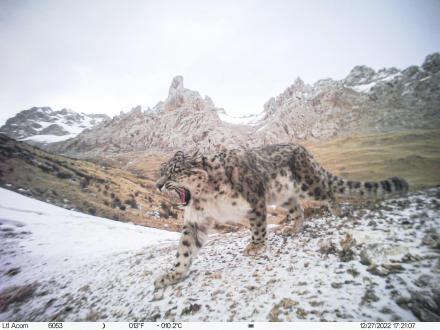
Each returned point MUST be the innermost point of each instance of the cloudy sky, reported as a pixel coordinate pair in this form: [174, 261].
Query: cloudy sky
[107, 56]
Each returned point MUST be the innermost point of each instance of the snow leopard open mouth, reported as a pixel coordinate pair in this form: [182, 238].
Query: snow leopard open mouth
[184, 194]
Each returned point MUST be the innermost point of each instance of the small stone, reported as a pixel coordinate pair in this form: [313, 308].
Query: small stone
[251, 287]
[13, 271]
[377, 270]
[191, 309]
[155, 314]
[158, 295]
[393, 267]
[217, 292]
[315, 303]
[386, 310]
[402, 302]
[365, 257]
[353, 272]
[301, 313]
[369, 296]
[327, 247]
[410, 257]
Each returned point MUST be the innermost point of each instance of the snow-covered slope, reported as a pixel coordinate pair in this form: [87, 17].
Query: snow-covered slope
[44, 125]
[40, 240]
[381, 263]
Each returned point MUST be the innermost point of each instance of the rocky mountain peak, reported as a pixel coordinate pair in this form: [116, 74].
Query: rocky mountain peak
[180, 97]
[366, 100]
[298, 83]
[44, 125]
[176, 85]
[432, 63]
[183, 121]
[360, 74]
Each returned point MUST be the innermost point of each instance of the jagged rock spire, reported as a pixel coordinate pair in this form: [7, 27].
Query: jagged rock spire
[176, 85]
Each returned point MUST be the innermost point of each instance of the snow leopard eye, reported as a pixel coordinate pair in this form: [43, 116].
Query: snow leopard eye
[162, 171]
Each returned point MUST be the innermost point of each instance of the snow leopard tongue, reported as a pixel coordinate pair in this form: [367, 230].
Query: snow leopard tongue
[182, 195]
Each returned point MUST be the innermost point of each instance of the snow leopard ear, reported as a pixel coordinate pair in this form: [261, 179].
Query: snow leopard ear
[195, 156]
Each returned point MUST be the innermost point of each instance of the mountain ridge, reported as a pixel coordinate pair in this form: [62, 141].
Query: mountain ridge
[365, 101]
[42, 125]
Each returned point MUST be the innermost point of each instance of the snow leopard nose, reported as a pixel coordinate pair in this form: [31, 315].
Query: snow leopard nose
[159, 185]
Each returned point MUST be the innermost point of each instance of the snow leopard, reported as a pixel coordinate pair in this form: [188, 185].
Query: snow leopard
[241, 183]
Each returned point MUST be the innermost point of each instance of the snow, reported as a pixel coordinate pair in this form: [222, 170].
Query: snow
[293, 280]
[48, 138]
[365, 88]
[54, 237]
[244, 120]
[77, 128]
[426, 78]
[390, 77]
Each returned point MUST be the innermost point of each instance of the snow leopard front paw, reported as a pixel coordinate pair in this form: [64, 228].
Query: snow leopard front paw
[166, 279]
[253, 249]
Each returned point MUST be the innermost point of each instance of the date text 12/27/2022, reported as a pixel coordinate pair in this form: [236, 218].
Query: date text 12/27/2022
[388, 325]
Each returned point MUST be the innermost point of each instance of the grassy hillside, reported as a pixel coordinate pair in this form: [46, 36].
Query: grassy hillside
[412, 154]
[123, 189]
[74, 184]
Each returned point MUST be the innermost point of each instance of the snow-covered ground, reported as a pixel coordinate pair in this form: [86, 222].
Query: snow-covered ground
[377, 263]
[40, 241]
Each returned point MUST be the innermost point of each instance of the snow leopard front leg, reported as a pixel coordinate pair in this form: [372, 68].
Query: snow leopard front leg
[295, 217]
[258, 224]
[193, 236]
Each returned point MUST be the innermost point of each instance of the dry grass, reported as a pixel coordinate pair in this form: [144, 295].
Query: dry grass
[90, 188]
[17, 295]
[413, 155]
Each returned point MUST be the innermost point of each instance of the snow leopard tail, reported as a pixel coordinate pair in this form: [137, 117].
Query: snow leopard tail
[388, 187]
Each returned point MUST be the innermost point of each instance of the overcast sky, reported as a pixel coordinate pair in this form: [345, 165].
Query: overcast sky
[107, 56]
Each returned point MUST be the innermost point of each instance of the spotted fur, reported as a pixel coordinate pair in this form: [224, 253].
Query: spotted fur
[233, 184]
